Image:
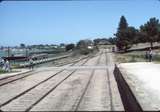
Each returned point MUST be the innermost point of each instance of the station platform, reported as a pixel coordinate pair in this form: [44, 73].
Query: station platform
[140, 81]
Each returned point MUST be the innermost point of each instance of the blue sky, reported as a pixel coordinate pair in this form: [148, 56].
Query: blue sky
[54, 22]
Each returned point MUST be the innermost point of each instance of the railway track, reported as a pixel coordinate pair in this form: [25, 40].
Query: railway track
[86, 87]
[7, 80]
[86, 99]
[53, 88]
[77, 108]
[66, 95]
[109, 84]
[55, 92]
[10, 79]
[24, 92]
[116, 103]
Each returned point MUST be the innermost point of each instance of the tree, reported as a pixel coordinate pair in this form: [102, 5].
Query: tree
[126, 35]
[140, 37]
[22, 45]
[126, 38]
[158, 32]
[122, 24]
[70, 47]
[122, 42]
[62, 45]
[131, 35]
[151, 30]
[96, 41]
[112, 40]
[101, 41]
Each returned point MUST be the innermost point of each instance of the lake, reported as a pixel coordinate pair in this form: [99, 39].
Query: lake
[4, 53]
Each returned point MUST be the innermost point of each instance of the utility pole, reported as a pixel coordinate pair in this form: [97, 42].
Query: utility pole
[8, 51]
[26, 52]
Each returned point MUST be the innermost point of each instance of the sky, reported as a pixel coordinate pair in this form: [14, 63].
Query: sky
[55, 22]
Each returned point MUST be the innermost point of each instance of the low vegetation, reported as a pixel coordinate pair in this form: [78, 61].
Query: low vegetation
[136, 56]
[2, 71]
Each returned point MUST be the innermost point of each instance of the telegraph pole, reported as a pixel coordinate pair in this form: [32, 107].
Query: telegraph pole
[8, 51]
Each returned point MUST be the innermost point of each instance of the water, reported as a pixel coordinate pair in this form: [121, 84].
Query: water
[19, 52]
[3, 53]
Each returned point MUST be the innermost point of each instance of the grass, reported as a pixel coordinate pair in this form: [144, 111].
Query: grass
[2, 71]
[135, 56]
[138, 56]
[15, 66]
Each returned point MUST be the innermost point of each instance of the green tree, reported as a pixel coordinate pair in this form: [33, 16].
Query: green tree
[101, 41]
[96, 41]
[112, 40]
[126, 38]
[126, 35]
[131, 34]
[120, 32]
[122, 24]
[122, 42]
[140, 37]
[150, 30]
[22, 45]
[158, 32]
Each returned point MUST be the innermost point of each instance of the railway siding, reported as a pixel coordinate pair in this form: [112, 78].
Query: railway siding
[24, 102]
[87, 84]
[97, 96]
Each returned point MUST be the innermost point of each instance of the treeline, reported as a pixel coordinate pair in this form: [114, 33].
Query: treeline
[83, 46]
[104, 41]
[127, 35]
